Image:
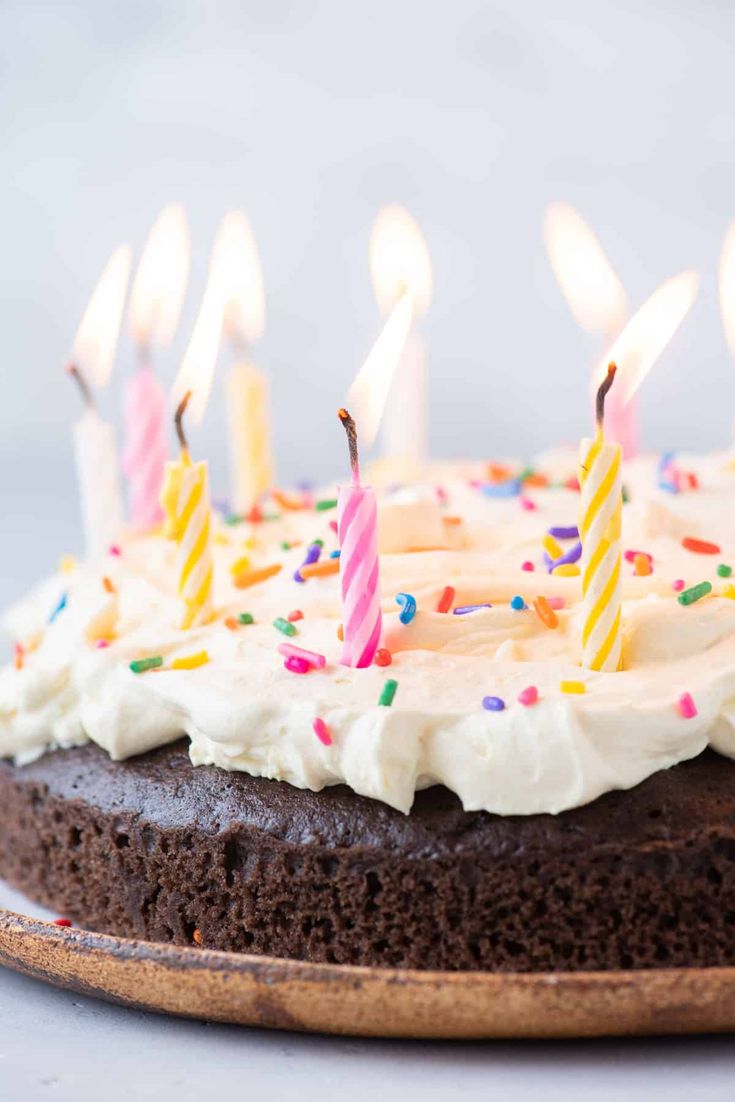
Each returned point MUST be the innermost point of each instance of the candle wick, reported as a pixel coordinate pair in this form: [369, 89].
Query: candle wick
[84, 387]
[349, 426]
[602, 393]
[179, 423]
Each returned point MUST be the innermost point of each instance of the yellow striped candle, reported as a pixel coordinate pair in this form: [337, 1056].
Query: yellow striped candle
[186, 504]
[248, 407]
[600, 532]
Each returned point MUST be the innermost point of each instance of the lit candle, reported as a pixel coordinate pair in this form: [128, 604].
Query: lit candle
[400, 264]
[727, 289]
[155, 307]
[236, 275]
[600, 514]
[95, 449]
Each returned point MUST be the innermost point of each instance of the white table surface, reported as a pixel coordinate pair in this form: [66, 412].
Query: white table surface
[62, 1047]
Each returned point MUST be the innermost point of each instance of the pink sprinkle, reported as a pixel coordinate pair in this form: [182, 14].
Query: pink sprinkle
[290, 650]
[527, 565]
[556, 603]
[114, 550]
[441, 493]
[322, 731]
[527, 504]
[678, 585]
[630, 555]
[333, 525]
[297, 614]
[297, 665]
[528, 696]
[687, 707]
[102, 643]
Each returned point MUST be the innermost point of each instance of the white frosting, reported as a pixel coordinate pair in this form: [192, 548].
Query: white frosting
[243, 710]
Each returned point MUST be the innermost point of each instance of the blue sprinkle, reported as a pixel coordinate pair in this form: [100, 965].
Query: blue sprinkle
[560, 532]
[464, 609]
[493, 704]
[408, 607]
[518, 603]
[59, 608]
[510, 488]
[334, 554]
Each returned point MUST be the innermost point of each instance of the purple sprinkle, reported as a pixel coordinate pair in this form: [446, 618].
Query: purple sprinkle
[493, 704]
[574, 554]
[313, 552]
[571, 532]
[464, 609]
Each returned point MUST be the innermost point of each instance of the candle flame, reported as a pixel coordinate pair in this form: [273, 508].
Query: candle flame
[96, 340]
[235, 271]
[160, 282]
[370, 387]
[399, 260]
[727, 287]
[197, 367]
[648, 333]
[591, 288]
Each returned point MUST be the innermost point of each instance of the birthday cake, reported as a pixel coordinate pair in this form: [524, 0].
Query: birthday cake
[475, 797]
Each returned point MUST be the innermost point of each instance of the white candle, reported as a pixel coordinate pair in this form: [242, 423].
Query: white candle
[248, 410]
[98, 474]
[404, 432]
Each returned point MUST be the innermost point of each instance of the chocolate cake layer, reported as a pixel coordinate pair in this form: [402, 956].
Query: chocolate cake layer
[154, 848]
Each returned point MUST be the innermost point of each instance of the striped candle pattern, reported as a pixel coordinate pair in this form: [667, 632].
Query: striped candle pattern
[146, 448]
[599, 528]
[186, 502]
[357, 525]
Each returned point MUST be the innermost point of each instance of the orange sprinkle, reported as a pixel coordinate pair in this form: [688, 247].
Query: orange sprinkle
[642, 565]
[452, 521]
[108, 584]
[702, 547]
[255, 515]
[545, 612]
[286, 501]
[497, 472]
[254, 577]
[340, 632]
[297, 614]
[231, 623]
[18, 655]
[197, 936]
[445, 601]
[536, 480]
[320, 569]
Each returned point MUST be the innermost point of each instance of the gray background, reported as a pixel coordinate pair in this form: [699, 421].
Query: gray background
[310, 115]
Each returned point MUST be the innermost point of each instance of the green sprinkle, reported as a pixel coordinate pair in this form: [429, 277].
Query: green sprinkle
[329, 503]
[689, 596]
[140, 665]
[245, 618]
[389, 691]
[233, 519]
[625, 495]
[285, 546]
[285, 626]
[723, 570]
[527, 472]
[319, 543]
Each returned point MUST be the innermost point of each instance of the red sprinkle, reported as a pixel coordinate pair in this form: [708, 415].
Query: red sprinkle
[383, 657]
[527, 566]
[297, 614]
[701, 547]
[446, 600]
[333, 525]
[255, 515]
[572, 483]
[322, 731]
[528, 696]
[686, 706]
[62, 922]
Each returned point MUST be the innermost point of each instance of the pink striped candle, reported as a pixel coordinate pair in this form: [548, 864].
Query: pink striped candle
[146, 448]
[357, 525]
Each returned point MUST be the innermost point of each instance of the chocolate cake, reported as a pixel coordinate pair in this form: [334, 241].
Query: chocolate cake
[154, 848]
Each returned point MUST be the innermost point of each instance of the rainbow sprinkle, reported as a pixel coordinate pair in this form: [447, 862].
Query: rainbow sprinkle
[562, 532]
[528, 696]
[464, 609]
[312, 658]
[284, 626]
[388, 692]
[689, 596]
[578, 687]
[445, 601]
[686, 706]
[59, 607]
[493, 704]
[313, 552]
[190, 661]
[383, 657]
[245, 618]
[528, 566]
[677, 585]
[297, 665]
[724, 571]
[517, 603]
[543, 609]
[328, 503]
[322, 731]
[700, 547]
[140, 665]
[408, 607]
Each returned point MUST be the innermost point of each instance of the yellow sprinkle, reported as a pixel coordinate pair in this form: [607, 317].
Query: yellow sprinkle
[249, 542]
[190, 661]
[240, 566]
[67, 563]
[221, 538]
[551, 547]
[728, 591]
[566, 570]
[573, 687]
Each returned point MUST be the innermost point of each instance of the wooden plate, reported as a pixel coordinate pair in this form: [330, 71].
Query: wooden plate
[369, 1002]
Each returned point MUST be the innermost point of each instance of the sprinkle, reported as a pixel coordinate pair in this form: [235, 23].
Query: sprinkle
[556, 603]
[240, 566]
[297, 614]
[18, 655]
[689, 596]
[322, 731]
[509, 488]
[729, 592]
[497, 472]
[328, 503]
[113, 549]
[678, 585]
[197, 936]
[335, 554]
[537, 479]
[297, 665]
[245, 618]
[493, 704]
[686, 706]
[287, 501]
[234, 518]
[255, 577]
[383, 657]
[231, 622]
[561, 532]
[255, 516]
[462, 610]
[445, 601]
[525, 474]
[312, 658]
[313, 553]
[723, 570]
[518, 603]
[320, 569]
[340, 632]
[572, 483]
[630, 555]
[108, 585]
[642, 565]
[102, 643]
[441, 494]
[67, 564]
[528, 696]
[701, 547]
[408, 607]
[333, 525]
[286, 546]
[190, 661]
[317, 543]
[578, 687]
[59, 608]
[140, 665]
[574, 554]
[284, 626]
[544, 611]
[65, 922]
[527, 566]
[551, 547]
[388, 692]
[527, 504]
[565, 570]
